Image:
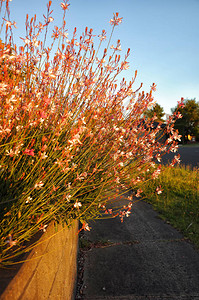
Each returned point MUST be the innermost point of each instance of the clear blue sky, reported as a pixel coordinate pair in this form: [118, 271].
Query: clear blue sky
[163, 36]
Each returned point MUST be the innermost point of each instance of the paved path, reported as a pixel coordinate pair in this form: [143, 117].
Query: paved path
[189, 155]
[145, 258]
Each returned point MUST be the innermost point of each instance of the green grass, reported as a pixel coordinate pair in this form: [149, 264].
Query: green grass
[189, 145]
[179, 201]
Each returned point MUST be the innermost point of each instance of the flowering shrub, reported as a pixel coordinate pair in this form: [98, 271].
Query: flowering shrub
[67, 143]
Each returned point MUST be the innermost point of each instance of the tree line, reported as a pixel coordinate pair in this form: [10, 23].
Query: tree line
[187, 125]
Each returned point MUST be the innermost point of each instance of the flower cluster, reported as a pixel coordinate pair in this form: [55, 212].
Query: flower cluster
[67, 143]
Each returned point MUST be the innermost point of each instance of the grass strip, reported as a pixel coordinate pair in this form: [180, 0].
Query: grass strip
[178, 203]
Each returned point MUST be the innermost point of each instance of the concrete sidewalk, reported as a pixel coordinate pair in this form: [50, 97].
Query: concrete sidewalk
[142, 258]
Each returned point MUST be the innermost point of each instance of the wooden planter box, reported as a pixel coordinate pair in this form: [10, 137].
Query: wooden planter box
[49, 271]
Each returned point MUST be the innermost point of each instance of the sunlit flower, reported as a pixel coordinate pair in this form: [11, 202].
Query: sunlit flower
[159, 190]
[130, 205]
[44, 155]
[75, 140]
[9, 24]
[115, 21]
[177, 158]
[158, 157]
[12, 153]
[77, 204]
[181, 103]
[28, 199]
[179, 115]
[29, 152]
[174, 148]
[38, 185]
[68, 197]
[156, 173]
[50, 19]
[35, 43]
[10, 241]
[117, 48]
[176, 136]
[26, 41]
[43, 227]
[13, 98]
[138, 194]
[128, 213]
[64, 5]
[125, 65]
[85, 226]
[3, 87]
[102, 36]
[169, 140]
[153, 87]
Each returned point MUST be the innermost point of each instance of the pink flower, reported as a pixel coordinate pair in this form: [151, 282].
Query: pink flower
[85, 226]
[9, 24]
[125, 65]
[43, 227]
[12, 153]
[28, 199]
[156, 173]
[179, 115]
[121, 164]
[38, 185]
[64, 5]
[10, 241]
[75, 140]
[174, 148]
[139, 191]
[44, 155]
[115, 21]
[29, 152]
[153, 87]
[181, 103]
[177, 158]
[159, 190]
[176, 136]
[43, 114]
[77, 204]
[50, 19]
[128, 213]
[158, 157]
[103, 35]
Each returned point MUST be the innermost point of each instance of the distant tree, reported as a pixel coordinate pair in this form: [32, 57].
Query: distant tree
[156, 110]
[189, 123]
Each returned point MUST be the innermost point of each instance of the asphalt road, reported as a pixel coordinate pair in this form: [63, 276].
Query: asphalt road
[189, 155]
[142, 258]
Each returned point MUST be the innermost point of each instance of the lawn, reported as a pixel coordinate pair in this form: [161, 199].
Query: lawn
[179, 201]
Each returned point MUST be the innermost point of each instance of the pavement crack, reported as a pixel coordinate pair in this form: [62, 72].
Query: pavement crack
[86, 245]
